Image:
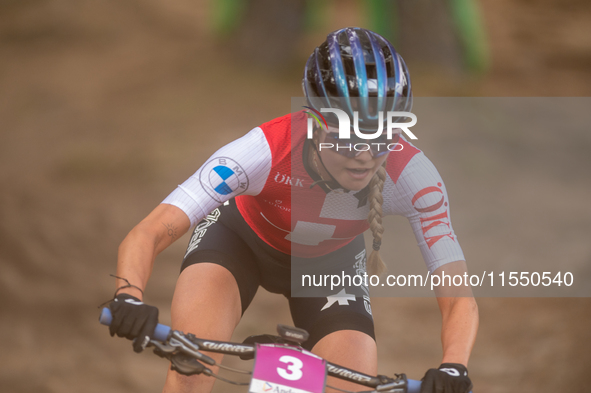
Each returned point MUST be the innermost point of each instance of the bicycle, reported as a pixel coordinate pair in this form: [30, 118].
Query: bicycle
[299, 370]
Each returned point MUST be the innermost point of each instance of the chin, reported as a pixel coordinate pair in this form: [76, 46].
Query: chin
[354, 186]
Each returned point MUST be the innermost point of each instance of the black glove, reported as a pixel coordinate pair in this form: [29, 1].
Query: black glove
[448, 378]
[133, 319]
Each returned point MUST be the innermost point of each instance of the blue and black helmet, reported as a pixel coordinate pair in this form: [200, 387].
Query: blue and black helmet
[357, 70]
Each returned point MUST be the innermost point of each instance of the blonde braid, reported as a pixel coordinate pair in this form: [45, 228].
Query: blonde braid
[375, 265]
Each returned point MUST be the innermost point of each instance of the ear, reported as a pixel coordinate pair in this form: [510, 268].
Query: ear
[318, 135]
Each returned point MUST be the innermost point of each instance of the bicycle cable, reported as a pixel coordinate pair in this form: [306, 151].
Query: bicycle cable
[230, 381]
[235, 370]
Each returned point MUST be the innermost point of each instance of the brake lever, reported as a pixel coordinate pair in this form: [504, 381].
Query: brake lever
[179, 342]
[180, 362]
[163, 350]
[398, 385]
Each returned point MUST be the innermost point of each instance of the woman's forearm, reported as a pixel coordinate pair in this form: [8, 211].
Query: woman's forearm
[459, 328]
[135, 261]
[140, 247]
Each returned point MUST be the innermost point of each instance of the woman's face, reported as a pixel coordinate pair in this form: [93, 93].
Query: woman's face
[352, 173]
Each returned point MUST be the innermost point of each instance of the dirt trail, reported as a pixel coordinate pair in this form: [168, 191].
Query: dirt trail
[106, 106]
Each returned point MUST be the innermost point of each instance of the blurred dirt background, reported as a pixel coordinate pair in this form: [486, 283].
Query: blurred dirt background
[105, 106]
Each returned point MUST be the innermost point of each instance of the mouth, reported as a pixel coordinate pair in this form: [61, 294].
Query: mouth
[359, 174]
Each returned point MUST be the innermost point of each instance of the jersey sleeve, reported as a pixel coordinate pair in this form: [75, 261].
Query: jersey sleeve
[419, 194]
[240, 167]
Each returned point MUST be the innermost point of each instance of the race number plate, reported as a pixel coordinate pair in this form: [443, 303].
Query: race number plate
[280, 369]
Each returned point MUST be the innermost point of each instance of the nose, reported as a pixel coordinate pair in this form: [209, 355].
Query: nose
[364, 156]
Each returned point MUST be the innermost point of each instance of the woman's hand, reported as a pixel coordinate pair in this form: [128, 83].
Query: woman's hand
[448, 378]
[133, 319]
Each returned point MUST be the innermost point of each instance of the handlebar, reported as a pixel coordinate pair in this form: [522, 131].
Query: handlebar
[162, 333]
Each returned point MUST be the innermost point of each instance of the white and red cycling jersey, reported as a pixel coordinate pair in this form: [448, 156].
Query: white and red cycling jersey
[265, 171]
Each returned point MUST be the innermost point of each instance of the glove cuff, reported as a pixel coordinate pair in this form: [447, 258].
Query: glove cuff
[122, 297]
[462, 370]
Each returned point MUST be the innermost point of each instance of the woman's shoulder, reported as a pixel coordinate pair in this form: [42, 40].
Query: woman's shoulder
[284, 122]
[398, 160]
[279, 130]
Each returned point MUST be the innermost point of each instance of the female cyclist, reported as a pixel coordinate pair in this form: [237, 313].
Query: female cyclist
[276, 199]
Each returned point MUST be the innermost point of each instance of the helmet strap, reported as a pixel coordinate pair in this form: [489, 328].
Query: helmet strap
[332, 183]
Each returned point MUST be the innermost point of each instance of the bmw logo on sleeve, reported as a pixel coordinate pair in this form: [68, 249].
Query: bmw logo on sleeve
[223, 178]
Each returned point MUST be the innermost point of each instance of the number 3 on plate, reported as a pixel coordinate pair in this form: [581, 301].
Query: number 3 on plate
[294, 368]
